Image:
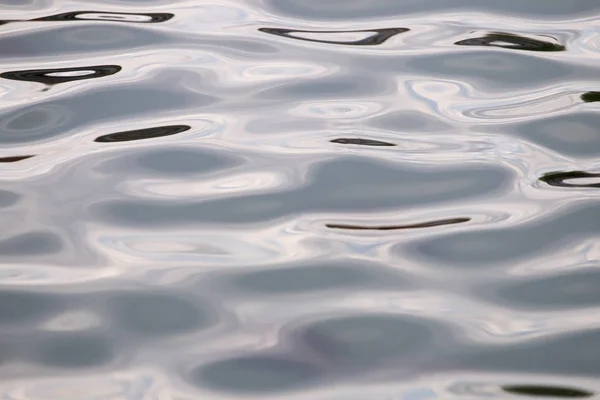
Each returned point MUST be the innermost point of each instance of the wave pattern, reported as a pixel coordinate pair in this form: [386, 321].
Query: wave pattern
[299, 199]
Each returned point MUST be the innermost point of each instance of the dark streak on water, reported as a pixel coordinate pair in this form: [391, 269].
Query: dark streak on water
[203, 265]
[375, 37]
[62, 75]
[571, 179]
[11, 159]
[429, 224]
[101, 16]
[511, 41]
[591, 97]
[362, 142]
[139, 134]
[548, 391]
[108, 16]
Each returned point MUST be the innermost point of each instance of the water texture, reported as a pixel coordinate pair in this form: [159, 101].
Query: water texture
[304, 199]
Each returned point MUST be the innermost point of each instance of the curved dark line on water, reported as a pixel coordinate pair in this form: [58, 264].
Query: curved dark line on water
[72, 16]
[519, 42]
[361, 142]
[547, 391]
[559, 178]
[155, 18]
[380, 36]
[430, 224]
[591, 97]
[41, 75]
[140, 134]
[12, 159]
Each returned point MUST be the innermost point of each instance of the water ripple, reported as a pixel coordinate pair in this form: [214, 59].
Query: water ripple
[511, 41]
[376, 37]
[307, 199]
[140, 134]
[61, 75]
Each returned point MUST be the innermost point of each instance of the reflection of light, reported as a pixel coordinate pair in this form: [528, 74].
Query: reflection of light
[119, 385]
[333, 36]
[253, 182]
[73, 321]
[420, 394]
[583, 181]
[336, 109]
[71, 73]
[118, 17]
[272, 71]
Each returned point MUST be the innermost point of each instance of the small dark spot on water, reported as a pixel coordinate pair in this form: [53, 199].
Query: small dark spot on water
[591, 97]
[379, 35]
[547, 391]
[511, 41]
[12, 159]
[560, 179]
[109, 16]
[139, 134]
[361, 142]
[62, 75]
[430, 224]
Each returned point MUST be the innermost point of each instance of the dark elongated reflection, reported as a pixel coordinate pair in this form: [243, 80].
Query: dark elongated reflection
[590, 97]
[140, 134]
[137, 18]
[141, 18]
[62, 75]
[559, 178]
[12, 159]
[430, 224]
[361, 142]
[548, 391]
[511, 41]
[379, 35]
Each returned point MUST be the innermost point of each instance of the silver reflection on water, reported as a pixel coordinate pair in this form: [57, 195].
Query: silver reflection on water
[339, 199]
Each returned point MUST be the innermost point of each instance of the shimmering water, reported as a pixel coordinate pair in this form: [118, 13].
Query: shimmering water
[304, 199]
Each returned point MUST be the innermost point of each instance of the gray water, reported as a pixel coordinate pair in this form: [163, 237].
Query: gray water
[304, 199]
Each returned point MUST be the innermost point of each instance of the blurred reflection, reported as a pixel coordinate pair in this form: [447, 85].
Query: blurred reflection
[361, 142]
[573, 179]
[140, 134]
[430, 224]
[547, 391]
[376, 37]
[150, 315]
[591, 97]
[73, 350]
[13, 159]
[256, 375]
[139, 18]
[511, 41]
[62, 75]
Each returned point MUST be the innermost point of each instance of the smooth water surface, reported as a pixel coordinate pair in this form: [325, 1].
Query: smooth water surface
[304, 199]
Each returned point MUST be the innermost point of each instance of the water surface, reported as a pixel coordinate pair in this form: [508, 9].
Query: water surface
[302, 199]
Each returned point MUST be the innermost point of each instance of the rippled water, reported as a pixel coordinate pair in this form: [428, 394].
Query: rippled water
[311, 199]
